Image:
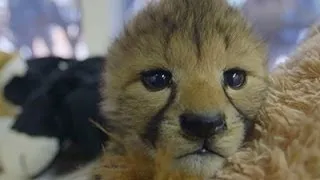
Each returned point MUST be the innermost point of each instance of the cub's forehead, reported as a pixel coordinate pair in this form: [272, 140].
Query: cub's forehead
[176, 32]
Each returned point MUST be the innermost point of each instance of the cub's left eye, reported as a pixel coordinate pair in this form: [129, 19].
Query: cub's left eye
[235, 78]
[156, 79]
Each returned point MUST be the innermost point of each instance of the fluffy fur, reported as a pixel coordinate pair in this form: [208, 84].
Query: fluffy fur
[287, 144]
[197, 41]
[314, 30]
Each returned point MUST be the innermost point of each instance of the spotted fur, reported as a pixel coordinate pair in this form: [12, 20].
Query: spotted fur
[196, 41]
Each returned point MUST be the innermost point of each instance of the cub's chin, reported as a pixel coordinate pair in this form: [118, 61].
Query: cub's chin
[204, 164]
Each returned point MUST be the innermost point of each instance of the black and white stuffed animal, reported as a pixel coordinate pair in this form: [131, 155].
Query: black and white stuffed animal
[59, 99]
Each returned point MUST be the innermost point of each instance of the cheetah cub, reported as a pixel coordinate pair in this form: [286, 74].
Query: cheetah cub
[188, 74]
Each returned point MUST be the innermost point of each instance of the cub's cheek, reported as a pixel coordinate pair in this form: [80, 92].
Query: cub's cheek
[141, 105]
[172, 140]
[231, 141]
[138, 97]
[249, 98]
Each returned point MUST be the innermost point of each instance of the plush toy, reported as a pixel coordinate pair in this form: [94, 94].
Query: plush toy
[9, 67]
[286, 141]
[58, 100]
[39, 70]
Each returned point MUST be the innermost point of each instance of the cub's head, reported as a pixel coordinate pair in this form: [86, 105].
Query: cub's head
[186, 74]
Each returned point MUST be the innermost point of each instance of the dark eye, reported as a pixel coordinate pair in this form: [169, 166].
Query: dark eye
[235, 78]
[156, 79]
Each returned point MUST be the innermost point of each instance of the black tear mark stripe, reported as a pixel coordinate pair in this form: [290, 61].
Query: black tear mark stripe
[171, 28]
[197, 40]
[248, 123]
[196, 36]
[152, 129]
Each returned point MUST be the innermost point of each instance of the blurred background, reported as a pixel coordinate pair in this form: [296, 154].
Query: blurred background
[75, 28]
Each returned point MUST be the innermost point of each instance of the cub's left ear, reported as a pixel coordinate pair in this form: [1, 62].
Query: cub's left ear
[238, 4]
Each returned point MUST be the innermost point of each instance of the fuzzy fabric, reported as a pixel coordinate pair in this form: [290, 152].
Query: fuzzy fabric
[314, 30]
[287, 137]
[7, 109]
[289, 146]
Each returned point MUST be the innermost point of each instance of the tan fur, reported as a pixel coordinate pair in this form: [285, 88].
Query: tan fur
[197, 41]
[313, 30]
[136, 165]
[288, 138]
[6, 108]
[4, 58]
[290, 144]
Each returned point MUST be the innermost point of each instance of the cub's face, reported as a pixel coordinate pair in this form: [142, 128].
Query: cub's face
[186, 78]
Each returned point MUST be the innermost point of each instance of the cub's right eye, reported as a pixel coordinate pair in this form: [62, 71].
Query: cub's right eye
[156, 79]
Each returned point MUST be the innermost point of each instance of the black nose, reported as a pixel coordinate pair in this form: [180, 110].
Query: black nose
[200, 126]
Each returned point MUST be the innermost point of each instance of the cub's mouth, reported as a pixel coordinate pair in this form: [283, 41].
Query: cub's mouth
[204, 150]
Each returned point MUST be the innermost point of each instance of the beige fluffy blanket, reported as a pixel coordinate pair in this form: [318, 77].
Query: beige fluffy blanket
[287, 144]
